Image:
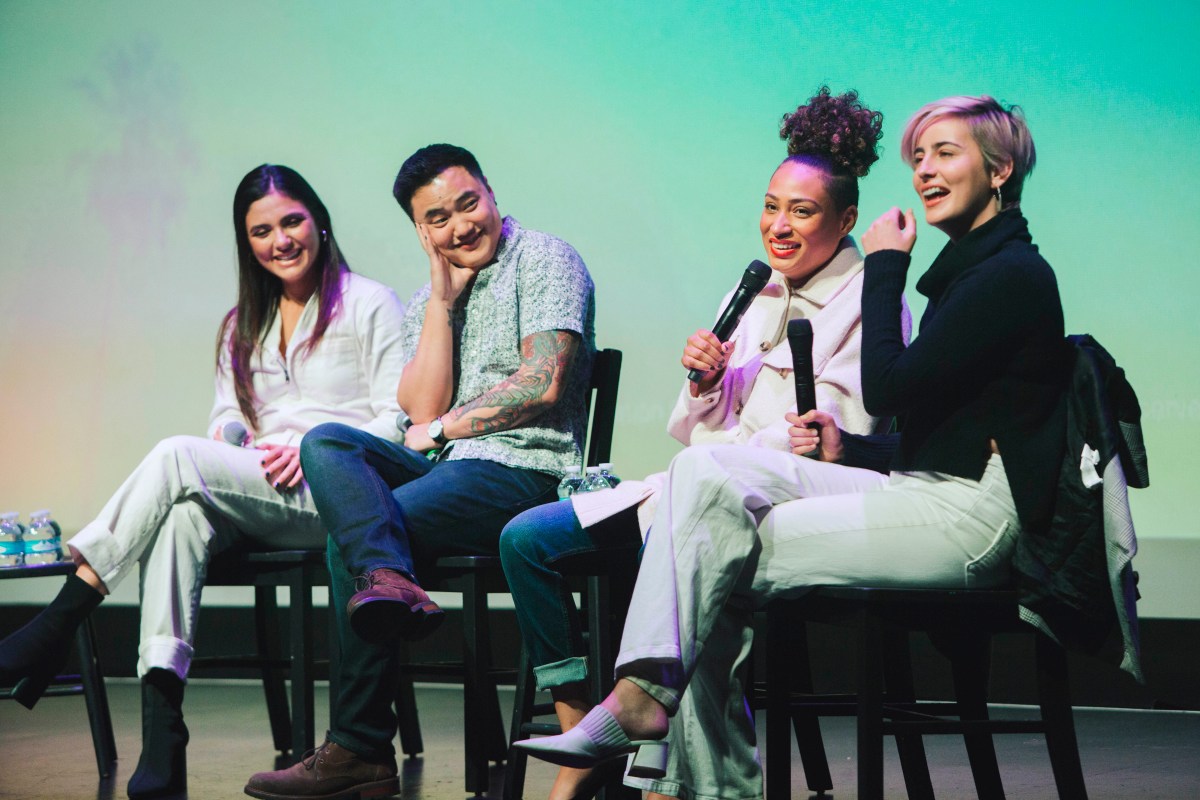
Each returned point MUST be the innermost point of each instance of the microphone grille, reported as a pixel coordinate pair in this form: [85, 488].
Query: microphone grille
[757, 274]
[234, 433]
[799, 329]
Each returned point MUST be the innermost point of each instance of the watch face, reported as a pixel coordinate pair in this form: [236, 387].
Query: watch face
[435, 431]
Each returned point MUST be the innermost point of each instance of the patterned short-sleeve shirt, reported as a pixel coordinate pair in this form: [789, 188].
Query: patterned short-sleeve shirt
[537, 283]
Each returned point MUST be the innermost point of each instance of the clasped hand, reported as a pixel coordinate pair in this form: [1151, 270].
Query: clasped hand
[705, 352]
[281, 463]
[823, 438]
[416, 437]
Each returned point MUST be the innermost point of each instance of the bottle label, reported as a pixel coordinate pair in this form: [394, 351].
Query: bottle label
[41, 545]
[11, 547]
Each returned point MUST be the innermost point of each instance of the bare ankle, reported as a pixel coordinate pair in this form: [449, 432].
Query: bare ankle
[639, 713]
[571, 704]
[88, 575]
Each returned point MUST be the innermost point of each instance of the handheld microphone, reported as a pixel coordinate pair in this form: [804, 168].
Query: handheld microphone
[753, 280]
[234, 433]
[800, 339]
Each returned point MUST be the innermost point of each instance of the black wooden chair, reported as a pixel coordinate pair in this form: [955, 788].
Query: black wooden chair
[90, 680]
[605, 580]
[477, 576]
[300, 571]
[960, 622]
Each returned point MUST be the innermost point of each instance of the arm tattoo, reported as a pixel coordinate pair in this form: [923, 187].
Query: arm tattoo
[545, 358]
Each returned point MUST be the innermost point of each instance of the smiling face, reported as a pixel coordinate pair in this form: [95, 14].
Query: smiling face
[955, 185]
[285, 240]
[459, 212]
[800, 225]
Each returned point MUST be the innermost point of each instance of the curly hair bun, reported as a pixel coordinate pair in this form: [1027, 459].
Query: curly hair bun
[835, 127]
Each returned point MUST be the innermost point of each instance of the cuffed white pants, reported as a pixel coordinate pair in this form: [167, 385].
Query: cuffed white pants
[737, 526]
[189, 498]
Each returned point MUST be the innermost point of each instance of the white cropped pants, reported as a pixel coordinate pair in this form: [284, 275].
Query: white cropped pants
[737, 526]
[188, 499]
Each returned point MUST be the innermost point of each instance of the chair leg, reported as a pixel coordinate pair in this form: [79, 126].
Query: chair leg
[335, 661]
[303, 668]
[481, 703]
[599, 642]
[806, 724]
[266, 629]
[1054, 695]
[870, 708]
[898, 678]
[514, 773]
[970, 656]
[96, 697]
[411, 743]
[604, 592]
[780, 666]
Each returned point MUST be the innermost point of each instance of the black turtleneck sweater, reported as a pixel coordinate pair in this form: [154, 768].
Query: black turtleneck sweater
[990, 362]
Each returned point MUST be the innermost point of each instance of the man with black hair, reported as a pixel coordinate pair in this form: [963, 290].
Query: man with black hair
[498, 348]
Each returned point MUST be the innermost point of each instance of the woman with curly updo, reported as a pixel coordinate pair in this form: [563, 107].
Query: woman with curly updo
[738, 527]
[739, 404]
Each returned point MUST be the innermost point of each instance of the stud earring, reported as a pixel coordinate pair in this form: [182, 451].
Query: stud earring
[324, 236]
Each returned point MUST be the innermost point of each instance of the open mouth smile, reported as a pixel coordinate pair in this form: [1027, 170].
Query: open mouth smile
[783, 248]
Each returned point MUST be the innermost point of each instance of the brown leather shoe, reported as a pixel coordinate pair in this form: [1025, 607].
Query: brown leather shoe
[392, 605]
[331, 772]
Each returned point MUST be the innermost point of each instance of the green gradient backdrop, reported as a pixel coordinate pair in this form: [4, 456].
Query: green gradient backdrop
[642, 133]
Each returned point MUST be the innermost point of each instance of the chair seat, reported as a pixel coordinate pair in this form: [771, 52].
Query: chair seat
[242, 568]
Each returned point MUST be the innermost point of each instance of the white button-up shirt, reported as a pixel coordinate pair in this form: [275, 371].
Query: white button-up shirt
[349, 377]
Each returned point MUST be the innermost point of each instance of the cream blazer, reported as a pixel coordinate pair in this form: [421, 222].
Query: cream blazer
[757, 388]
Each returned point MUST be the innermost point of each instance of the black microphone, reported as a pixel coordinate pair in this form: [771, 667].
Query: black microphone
[753, 280]
[800, 339]
[234, 433]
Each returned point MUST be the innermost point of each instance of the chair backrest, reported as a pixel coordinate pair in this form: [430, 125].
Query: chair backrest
[602, 406]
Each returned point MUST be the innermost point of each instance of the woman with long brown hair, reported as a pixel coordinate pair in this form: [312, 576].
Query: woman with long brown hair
[308, 342]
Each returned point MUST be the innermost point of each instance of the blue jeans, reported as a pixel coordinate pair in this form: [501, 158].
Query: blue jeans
[387, 506]
[545, 609]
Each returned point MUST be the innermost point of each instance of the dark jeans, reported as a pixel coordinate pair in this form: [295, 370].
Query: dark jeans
[388, 506]
[545, 609]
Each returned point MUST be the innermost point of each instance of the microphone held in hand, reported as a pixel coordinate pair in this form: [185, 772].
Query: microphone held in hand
[234, 433]
[753, 280]
[800, 339]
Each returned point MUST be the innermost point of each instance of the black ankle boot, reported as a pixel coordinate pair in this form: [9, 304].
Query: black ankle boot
[34, 655]
[162, 768]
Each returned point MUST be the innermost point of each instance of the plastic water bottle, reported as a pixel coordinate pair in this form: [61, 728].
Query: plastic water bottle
[606, 470]
[570, 483]
[12, 544]
[43, 539]
[594, 482]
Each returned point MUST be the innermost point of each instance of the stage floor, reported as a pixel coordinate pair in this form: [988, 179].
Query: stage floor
[47, 753]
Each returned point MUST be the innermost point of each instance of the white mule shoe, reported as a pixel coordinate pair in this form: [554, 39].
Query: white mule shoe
[596, 739]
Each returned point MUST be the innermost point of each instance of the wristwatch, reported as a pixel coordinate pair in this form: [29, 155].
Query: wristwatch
[436, 432]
